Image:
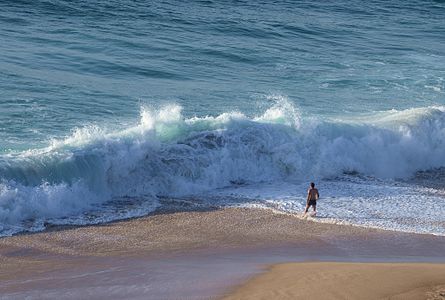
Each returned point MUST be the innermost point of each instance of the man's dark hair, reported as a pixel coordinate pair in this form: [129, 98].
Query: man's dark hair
[312, 185]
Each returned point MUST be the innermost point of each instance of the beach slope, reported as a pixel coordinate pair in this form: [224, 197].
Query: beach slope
[205, 254]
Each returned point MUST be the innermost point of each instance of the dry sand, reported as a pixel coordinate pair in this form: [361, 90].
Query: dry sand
[346, 281]
[101, 259]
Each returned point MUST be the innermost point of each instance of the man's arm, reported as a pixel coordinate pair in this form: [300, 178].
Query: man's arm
[308, 195]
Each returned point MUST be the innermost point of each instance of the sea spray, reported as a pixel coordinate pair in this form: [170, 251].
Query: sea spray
[167, 155]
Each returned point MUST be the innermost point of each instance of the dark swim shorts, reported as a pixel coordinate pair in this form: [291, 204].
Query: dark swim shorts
[312, 202]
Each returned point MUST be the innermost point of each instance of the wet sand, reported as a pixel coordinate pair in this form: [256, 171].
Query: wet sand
[195, 255]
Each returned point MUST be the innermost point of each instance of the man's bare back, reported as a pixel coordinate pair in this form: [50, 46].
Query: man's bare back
[312, 194]
[312, 197]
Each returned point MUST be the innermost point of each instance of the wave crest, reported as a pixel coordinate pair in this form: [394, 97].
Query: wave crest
[169, 155]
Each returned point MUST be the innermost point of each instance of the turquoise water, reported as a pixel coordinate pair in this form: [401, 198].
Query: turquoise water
[68, 64]
[124, 102]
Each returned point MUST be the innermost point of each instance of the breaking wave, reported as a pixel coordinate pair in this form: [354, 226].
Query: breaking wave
[168, 155]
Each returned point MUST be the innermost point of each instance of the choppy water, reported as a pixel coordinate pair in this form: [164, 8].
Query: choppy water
[107, 108]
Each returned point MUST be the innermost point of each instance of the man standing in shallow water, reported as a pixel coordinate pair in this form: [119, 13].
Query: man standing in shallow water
[312, 197]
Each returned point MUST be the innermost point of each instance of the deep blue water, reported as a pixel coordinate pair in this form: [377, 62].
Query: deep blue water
[107, 100]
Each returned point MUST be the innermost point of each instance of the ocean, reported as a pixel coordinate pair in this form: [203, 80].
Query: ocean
[115, 109]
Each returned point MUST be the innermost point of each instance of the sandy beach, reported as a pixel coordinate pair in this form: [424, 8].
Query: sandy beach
[168, 149]
[329, 280]
[205, 254]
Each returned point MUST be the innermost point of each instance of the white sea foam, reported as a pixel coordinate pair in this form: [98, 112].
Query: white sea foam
[167, 155]
[366, 202]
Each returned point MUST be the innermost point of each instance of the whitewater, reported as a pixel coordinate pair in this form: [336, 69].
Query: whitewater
[383, 171]
[119, 109]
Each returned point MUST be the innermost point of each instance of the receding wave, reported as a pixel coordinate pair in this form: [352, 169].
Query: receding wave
[167, 155]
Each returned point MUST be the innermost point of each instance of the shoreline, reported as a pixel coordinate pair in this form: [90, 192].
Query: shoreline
[185, 248]
[171, 208]
[166, 211]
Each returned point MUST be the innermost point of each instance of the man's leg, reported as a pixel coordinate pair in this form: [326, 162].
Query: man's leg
[307, 208]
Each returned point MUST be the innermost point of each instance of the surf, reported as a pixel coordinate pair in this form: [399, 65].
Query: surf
[168, 155]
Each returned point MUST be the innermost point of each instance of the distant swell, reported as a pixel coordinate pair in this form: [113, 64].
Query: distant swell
[168, 155]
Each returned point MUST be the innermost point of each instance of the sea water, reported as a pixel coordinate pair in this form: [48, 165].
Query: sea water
[113, 109]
